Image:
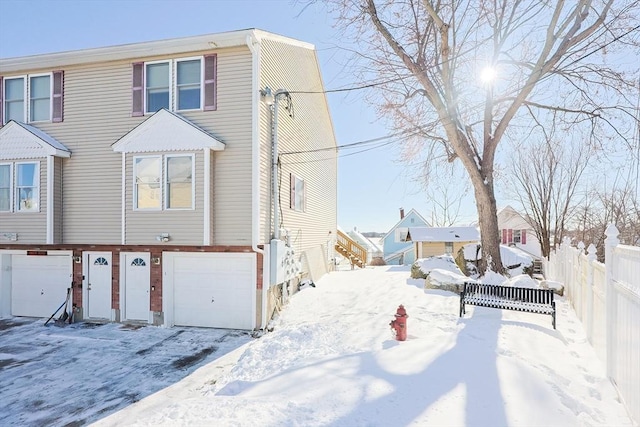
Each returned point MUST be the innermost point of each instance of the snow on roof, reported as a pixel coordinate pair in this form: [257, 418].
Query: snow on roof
[444, 234]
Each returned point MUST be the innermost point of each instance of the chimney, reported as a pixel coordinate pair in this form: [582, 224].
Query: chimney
[401, 213]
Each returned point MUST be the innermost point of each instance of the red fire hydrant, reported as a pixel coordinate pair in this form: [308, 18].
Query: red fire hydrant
[400, 324]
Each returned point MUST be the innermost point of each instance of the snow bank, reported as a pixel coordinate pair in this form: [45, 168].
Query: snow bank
[439, 272]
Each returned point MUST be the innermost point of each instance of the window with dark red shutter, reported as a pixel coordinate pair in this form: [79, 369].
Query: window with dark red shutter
[210, 82]
[58, 96]
[504, 236]
[524, 237]
[137, 92]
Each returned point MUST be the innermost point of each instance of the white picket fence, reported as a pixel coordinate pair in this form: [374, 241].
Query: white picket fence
[606, 298]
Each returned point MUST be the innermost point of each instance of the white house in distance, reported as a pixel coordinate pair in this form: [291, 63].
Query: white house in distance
[516, 231]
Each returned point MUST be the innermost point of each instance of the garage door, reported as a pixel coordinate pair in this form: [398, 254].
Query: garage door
[39, 284]
[211, 290]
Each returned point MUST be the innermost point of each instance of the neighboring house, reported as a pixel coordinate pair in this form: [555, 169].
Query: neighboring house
[397, 249]
[141, 177]
[434, 241]
[373, 250]
[516, 231]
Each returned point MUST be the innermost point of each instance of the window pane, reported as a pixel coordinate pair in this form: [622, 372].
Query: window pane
[5, 201]
[148, 191]
[27, 174]
[189, 72]
[27, 183]
[14, 89]
[157, 87]
[40, 87]
[179, 183]
[14, 100]
[5, 171]
[40, 109]
[188, 98]
[40, 98]
[188, 85]
[158, 75]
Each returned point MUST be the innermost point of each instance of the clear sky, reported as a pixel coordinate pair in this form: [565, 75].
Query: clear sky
[372, 184]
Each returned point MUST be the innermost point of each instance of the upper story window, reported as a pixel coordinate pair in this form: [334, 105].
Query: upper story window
[297, 201]
[177, 182]
[177, 85]
[32, 98]
[19, 182]
[401, 234]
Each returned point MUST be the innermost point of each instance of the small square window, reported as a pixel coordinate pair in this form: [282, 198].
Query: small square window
[297, 194]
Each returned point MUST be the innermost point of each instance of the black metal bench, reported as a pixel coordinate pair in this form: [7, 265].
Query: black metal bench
[509, 298]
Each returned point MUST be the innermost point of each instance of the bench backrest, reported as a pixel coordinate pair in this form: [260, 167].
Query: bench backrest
[510, 293]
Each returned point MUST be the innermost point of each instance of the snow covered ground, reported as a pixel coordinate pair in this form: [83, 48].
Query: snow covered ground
[332, 361]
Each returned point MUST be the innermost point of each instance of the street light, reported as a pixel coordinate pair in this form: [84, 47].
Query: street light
[271, 99]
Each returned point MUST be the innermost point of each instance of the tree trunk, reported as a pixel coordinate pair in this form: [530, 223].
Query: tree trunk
[488, 222]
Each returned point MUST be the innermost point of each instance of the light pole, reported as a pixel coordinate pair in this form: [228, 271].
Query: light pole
[271, 99]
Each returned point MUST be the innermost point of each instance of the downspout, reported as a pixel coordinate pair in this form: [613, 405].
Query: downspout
[254, 46]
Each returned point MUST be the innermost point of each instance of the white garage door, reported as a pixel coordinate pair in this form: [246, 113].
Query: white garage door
[39, 284]
[210, 290]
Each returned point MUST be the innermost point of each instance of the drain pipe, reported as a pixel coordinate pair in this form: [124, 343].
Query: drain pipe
[254, 46]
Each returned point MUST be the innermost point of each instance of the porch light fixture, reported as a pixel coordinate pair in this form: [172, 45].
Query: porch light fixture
[77, 259]
[155, 260]
[163, 237]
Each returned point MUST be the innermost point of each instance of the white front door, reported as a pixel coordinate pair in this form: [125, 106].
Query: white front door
[137, 280]
[98, 274]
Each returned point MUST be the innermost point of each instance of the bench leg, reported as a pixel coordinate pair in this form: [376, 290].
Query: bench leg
[554, 319]
[462, 312]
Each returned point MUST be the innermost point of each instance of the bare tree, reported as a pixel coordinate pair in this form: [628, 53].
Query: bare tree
[446, 196]
[545, 177]
[619, 206]
[424, 59]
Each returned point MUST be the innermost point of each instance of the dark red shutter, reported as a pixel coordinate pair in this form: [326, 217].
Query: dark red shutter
[1, 102]
[524, 237]
[58, 96]
[137, 93]
[210, 81]
[504, 236]
[510, 235]
[292, 193]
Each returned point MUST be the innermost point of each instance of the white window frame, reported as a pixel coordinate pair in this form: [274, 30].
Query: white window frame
[303, 199]
[28, 99]
[398, 232]
[169, 83]
[25, 99]
[166, 182]
[16, 193]
[175, 81]
[135, 184]
[10, 165]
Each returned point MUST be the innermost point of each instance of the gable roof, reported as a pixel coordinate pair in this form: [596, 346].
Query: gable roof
[402, 220]
[22, 141]
[166, 131]
[443, 234]
[508, 212]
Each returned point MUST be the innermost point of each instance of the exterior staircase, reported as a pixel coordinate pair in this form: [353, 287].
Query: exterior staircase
[350, 249]
[537, 269]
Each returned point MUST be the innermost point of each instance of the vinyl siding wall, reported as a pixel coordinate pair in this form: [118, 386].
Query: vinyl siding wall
[31, 227]
[97, 113]
[57, 199]
[185, 226]
[296, 70]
